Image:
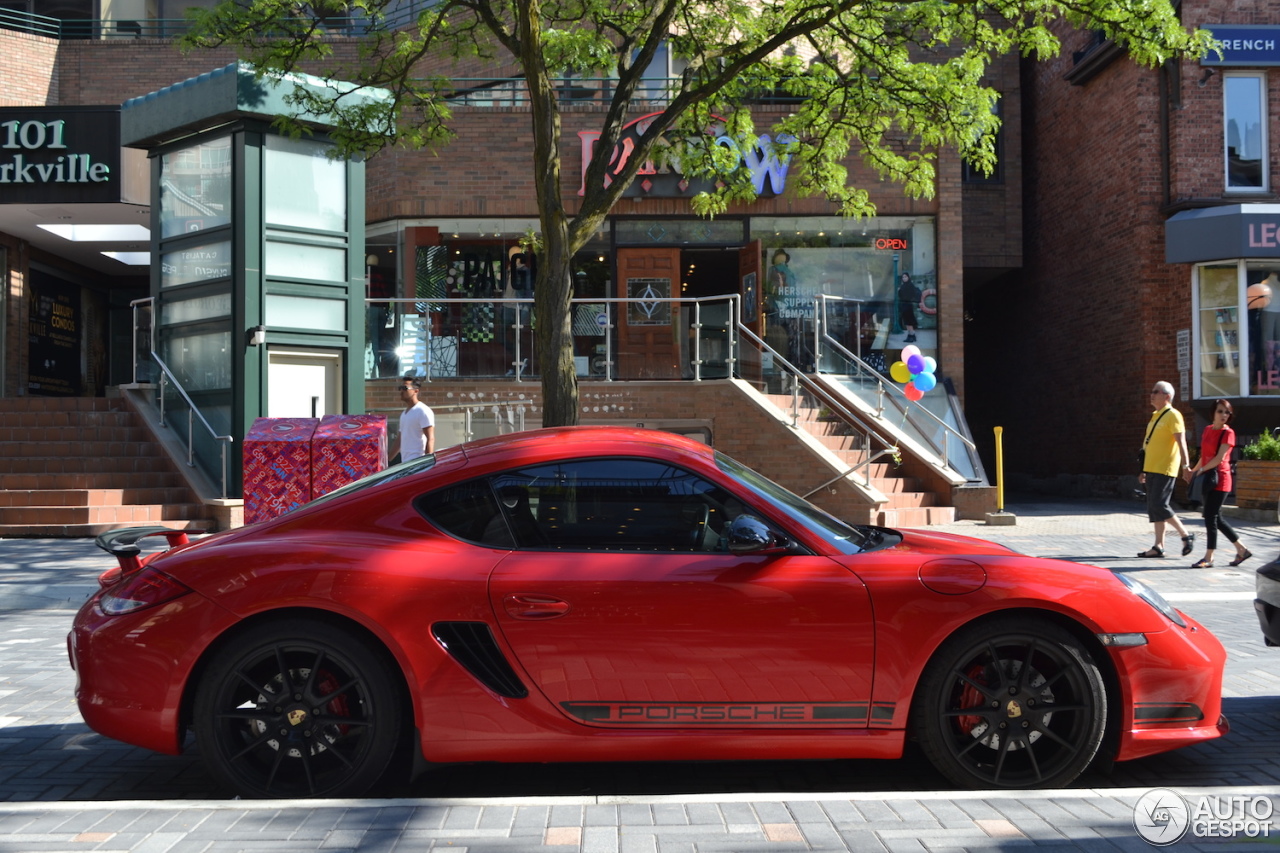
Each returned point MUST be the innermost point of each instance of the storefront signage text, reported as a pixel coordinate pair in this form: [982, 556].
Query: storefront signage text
[1244, 45]
[60, 155]
[895, 243]
[35, 135]
[1264, 235]
[767, 168]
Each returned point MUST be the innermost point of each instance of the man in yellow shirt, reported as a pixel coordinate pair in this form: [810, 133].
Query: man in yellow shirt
[1164, 457]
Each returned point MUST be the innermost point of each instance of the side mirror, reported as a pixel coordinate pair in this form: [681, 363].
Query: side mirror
[750, 535]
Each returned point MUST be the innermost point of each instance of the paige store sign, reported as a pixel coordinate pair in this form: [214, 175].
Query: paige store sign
[59, 154]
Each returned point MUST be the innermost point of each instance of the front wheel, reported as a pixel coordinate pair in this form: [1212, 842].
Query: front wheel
[298, 709]
[1011, 703]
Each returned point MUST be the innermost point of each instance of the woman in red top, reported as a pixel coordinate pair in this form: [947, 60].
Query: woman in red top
[1215, 456]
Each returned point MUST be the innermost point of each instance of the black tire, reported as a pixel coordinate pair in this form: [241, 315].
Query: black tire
[1013, 702]
[298, 709]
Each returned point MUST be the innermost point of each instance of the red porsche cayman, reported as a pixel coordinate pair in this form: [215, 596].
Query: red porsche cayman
[611, 594]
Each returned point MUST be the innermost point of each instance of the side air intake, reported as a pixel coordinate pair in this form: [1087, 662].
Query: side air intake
[472, 645]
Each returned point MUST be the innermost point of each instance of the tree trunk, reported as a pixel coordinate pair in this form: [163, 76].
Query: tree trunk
[552, 296]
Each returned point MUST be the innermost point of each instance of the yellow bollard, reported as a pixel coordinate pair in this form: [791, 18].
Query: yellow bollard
[1000, 516]
[999, 469]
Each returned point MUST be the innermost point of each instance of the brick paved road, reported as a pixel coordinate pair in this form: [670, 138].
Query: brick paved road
[64, 787]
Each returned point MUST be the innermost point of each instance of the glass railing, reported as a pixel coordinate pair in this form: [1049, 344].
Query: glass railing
[613, 339]
[935, 421]
[207, 448]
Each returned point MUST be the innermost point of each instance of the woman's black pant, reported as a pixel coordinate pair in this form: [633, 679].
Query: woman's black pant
[1213, 520]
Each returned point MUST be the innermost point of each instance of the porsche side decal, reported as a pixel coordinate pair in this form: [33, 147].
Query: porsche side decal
[719, 713]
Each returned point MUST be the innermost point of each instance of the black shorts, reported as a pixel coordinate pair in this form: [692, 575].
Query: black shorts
[1159, 497]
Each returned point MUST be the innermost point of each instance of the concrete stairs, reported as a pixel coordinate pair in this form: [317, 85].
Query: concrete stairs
[77, 466]
[908, 505]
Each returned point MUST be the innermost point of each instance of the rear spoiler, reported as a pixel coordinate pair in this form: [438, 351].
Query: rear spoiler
[123, 544]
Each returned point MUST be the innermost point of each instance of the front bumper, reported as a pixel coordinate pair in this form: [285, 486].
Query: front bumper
[1175, 691]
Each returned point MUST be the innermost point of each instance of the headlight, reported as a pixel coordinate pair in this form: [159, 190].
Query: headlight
[1155, 599]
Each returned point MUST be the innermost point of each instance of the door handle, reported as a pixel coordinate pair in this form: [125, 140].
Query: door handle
[527, 606]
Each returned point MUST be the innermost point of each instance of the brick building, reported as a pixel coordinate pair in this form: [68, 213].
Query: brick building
[1143, 187]
[448, 224]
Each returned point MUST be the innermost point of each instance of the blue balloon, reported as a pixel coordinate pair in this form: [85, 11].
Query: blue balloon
[925, 381]
[930, 366]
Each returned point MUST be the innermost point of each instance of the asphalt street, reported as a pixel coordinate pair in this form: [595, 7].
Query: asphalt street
[62, 787]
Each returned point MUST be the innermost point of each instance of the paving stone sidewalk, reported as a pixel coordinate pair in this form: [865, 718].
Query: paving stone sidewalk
[64, 788]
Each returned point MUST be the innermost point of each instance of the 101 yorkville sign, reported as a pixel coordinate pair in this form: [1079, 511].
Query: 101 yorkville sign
[59, 154]
[49, 135]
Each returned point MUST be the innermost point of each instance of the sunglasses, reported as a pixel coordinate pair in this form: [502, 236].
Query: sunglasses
[403, 387]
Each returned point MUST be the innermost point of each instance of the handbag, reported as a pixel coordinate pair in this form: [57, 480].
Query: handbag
[1209, 481]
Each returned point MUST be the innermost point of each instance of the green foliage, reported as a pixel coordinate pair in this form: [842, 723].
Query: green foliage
[887, 81]
[1265, 447]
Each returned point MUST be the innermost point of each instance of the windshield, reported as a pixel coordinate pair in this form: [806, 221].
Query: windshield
[844, 537]
[386, 475]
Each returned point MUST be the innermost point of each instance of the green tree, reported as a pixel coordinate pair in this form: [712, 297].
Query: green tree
[890, 81]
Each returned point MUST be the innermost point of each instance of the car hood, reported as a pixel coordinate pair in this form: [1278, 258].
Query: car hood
[927, 542]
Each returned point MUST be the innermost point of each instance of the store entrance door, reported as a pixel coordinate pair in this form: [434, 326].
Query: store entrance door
[647, 344]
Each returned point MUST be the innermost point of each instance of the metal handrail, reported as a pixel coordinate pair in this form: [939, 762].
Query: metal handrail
[166, 375]
[849, 416]
[882, 382]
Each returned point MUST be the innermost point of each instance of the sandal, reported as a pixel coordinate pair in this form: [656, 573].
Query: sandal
[1153, 551]
[1188, 543]
[1238, 560]
[1206, 563]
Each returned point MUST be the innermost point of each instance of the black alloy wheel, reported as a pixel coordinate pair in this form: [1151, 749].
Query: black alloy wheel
[298, 709]
[1013, 702]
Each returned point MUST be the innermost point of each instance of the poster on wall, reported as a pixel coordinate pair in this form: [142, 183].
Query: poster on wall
[54, 322]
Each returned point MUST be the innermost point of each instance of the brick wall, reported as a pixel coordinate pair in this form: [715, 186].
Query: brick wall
[28, 74]
[993, 211]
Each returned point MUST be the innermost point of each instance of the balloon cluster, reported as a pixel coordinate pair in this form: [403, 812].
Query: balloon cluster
[915, 371]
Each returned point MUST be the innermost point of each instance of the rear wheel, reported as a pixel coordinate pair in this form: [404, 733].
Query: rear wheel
[1011, 703]
[298, 709]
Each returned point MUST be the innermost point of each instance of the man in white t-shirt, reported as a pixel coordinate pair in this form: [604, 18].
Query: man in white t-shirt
[417, 423]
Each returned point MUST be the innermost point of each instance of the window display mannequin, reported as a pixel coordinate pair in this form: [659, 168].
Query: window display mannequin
[1267, 300]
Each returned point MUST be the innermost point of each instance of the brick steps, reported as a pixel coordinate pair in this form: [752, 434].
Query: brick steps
[907, 506]
[80, 467]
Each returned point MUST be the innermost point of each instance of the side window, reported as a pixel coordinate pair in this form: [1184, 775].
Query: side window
[614, 505]
[468, 511]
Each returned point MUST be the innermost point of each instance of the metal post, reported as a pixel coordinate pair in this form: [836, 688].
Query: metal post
[697, 341]
[191, 447]
[426, 326]
[224, 469]
[795, 400]
[999, 469]
[735, 318]
[516, 366]
[608, 342]
[164, 380]
[818, 326]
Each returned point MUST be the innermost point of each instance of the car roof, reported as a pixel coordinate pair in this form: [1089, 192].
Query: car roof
[580, 440]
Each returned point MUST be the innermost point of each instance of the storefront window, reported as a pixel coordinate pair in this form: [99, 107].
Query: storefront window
[1262, 295]
[1238, 329]
[883, 268]
[1220, 333]
[195, 188]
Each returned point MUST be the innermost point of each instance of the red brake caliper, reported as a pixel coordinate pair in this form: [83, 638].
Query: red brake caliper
[971, 697]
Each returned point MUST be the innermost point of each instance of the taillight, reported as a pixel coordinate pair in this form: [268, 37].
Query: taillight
[146, 588]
